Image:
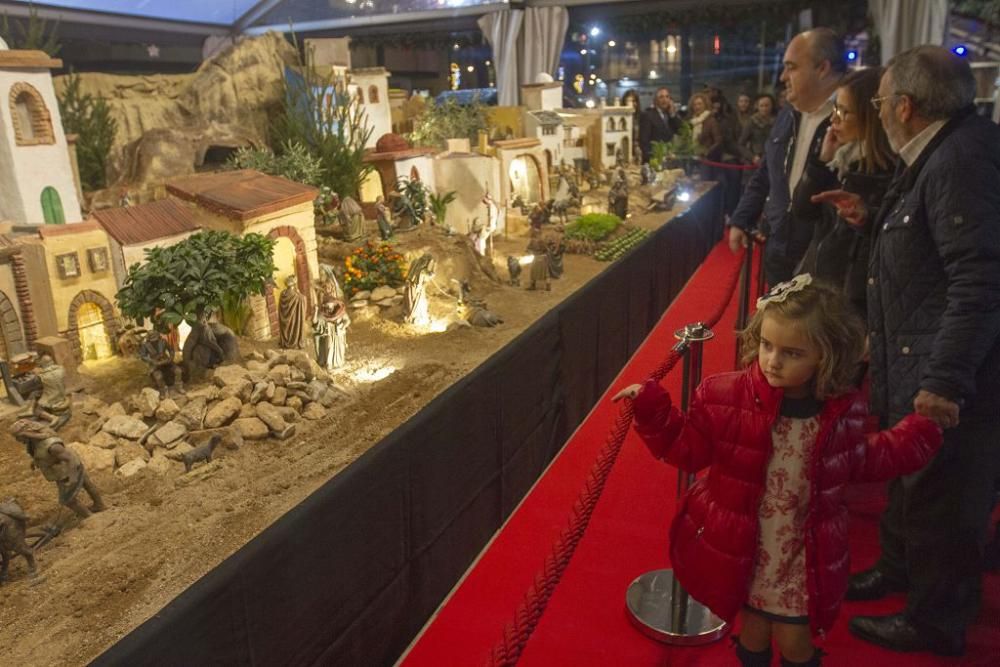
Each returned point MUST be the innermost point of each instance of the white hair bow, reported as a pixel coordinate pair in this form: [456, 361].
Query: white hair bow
[780, 292]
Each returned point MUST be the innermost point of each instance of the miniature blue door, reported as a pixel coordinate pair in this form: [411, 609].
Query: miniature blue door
[52, 209]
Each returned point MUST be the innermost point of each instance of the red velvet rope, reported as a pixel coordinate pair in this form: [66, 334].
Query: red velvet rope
[529, 612]
[728, 165]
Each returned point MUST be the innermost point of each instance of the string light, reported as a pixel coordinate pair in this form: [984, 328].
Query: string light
[612, 43]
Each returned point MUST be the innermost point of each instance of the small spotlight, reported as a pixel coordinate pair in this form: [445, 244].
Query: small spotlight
[595, 31]
[455, 46]
[470, 69]
[852, 55]
[488, 63]
[671, 49]
[960, 50]
[583, 52]
[612, 43]
[684, 195]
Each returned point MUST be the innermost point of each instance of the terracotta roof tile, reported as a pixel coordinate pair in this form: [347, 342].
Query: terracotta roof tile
[147, 222]
[242, 195]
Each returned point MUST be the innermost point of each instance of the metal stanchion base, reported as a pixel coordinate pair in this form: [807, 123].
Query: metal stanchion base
[651, 609]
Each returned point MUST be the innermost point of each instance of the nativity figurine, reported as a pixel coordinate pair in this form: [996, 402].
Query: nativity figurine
[52, 404]
[415, 304]
[383, 216]
[330, 324]
[352, 219]
[291, 315]
[158, 355]
[539, 276]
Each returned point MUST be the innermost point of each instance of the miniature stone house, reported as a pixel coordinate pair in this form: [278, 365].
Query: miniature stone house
[135, 229]
[523, 170]
[247, 201]
[370, 88]
[547, 127]
[37, 183]
[393, 158]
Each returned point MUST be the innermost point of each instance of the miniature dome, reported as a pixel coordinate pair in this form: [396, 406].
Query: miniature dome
[391, 143]
[544, 77]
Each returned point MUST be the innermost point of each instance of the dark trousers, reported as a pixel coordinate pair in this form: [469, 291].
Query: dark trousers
[933, 531]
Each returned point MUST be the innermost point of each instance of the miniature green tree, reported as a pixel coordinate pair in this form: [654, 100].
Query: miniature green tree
[318, 113]
[439, 205]
[196, 277]
[412, 201]
[90, 119]
[294, 162]
[31, 35]
[449, 120]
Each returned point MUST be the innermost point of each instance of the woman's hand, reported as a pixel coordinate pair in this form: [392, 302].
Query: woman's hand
[629, 392]
[830, 145]
[849, 206]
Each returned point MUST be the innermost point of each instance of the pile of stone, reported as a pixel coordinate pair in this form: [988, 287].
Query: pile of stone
[379, 301]
[264, 398]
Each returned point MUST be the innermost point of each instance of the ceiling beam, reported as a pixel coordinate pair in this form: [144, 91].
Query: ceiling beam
[378, 19]
[120, 21]
[257, 11]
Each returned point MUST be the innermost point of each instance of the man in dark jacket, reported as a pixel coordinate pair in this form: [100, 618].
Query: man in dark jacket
[814, 64]
[659, 122]
[934, 331]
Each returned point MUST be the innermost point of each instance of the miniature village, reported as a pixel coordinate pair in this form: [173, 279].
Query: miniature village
[193, 348]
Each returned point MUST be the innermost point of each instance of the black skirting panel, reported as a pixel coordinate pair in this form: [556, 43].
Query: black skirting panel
[350, 575]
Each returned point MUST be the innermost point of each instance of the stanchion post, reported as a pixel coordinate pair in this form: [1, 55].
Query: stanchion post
[743, 313]
[761, 277]
[658, 605]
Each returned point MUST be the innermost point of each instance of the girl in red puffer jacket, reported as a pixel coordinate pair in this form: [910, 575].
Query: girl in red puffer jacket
[765, 530]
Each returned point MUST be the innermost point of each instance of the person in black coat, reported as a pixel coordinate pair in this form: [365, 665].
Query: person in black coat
[855, 158]
[659, 122]
[934, 332]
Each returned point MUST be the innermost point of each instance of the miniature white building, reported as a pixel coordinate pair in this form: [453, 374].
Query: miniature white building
[547, 127]
[370, 88]
[470, 176]
[615, 134]
[542, 96]
[37, 184]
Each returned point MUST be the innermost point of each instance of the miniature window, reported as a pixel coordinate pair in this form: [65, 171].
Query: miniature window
[361, 95]
[68, 265]
[373, 94]
[98, 259]
[30, 117]
[611, 149]
[623, 124]
[611, 125]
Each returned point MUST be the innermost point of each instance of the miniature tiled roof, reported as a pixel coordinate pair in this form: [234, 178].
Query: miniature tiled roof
[242, 195]
[24, 58]
[147, 222]
[547, 117]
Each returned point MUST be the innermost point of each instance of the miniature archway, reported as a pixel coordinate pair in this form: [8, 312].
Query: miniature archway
[611, 125]
[622, 124]
[414, 173]
[91, 311]
[525, 174]
[626, 149]
[11, 336]
[52, 208]
[373, 94]
[361, 95]
[30, 116]
[302, 279]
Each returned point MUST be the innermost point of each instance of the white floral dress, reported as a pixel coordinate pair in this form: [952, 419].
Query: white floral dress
[778, 588]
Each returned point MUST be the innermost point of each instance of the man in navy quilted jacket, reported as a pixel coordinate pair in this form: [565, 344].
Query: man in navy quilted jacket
[814, 63]
[934, 333]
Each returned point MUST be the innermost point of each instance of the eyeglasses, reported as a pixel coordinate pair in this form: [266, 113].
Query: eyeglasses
[840, 113]
[878, 101]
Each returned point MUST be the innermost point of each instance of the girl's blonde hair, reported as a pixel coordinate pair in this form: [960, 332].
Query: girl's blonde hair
[829, 323]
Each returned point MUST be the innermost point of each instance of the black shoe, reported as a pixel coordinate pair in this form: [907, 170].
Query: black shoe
[871, 585]
[898, 634]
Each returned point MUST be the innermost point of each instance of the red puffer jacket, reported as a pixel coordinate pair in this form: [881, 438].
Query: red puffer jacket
[728, 430]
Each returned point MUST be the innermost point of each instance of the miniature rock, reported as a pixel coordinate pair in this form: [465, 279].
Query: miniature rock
[280, 396]
[259, 392]
[383, 292]
[147, 401]
[209, 393]
[116, 409]
[159, 464]
[302, 366]
[193, 415]
[363, 295]
[130, 469]
[167, 410]
[223, 412]
[103, 440]
[93, 406]
[241, 389]
[314, 411]
[295, 403]
[271, 389]
[397, 300]
[169, 433]
[271, 416]
[257, 366]
[229, 374]
[386, 303]
[280, 374]
[359, 303]
[288, 414]
[255, 356]
[247, 410]
[233, 439]
[252, 428]
[127, 453]
[124, 426]
[275, 357]
[93, 458]
[179, 450]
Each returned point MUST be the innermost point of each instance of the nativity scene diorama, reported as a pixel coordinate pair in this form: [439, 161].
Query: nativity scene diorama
[216, 288]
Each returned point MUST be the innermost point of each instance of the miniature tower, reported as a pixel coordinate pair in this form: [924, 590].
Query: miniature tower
[36, 175]
[370, 86]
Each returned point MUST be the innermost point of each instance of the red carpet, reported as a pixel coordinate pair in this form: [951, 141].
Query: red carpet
[585, 622]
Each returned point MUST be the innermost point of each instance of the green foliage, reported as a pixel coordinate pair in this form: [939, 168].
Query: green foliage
[294, 162]
[450, 120]
[593, 226]
[90, 119]
[331, 127]
[621, 245]
[412, 201]
[439, 205]
[683, 145]
[372, 265]
[197, 276]
[658, 154]
[235, 312]
[34, 34]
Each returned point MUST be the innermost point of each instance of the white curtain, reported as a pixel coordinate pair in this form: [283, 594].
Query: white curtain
[543, 38]
[501, 30]
[903, 24]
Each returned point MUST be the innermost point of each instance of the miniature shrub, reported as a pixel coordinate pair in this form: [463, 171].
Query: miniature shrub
[293, 162]
[35, 34]
[439, 205]
[593, 226]
[450, 120]
[372, 265]
[90, 119]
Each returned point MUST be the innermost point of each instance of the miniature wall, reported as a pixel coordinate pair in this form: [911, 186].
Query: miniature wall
[136, 254]
[424, 164]
[13, 339]
[502, 118]
[27, 170]
[379, 115]
[39, 286]
[468, 175]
